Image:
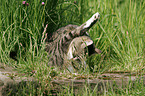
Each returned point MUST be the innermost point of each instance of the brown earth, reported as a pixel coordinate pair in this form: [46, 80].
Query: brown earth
[10, 79]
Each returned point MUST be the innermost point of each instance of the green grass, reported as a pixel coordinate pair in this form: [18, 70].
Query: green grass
[119, 33]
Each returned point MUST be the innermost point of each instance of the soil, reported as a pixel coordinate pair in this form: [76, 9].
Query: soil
[9, 79]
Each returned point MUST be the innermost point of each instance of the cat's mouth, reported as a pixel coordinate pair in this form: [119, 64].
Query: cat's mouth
[89, 50]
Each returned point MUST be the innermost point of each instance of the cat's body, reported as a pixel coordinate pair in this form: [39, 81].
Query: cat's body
[71, 42]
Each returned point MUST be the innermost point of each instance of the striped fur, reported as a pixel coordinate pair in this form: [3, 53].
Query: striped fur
[66, 38]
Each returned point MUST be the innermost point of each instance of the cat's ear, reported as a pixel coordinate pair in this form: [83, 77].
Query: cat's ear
[98, 51]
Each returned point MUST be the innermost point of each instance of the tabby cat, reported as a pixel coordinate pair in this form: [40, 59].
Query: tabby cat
[71, 43]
